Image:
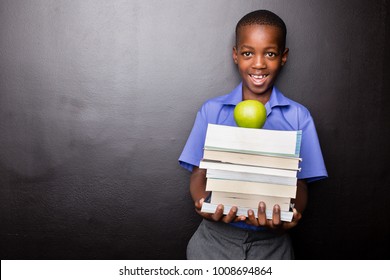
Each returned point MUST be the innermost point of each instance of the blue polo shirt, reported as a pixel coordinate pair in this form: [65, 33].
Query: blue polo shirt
[282, 114]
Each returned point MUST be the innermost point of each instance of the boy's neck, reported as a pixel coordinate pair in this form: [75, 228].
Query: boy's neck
[263, 98]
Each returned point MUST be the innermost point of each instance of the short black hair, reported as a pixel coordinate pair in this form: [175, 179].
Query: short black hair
[263, 17]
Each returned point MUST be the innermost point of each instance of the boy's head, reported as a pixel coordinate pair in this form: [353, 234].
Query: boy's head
[263, 17]
[260, 53]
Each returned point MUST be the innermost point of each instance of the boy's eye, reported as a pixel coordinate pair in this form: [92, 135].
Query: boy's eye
[270, 54]
[246, 54]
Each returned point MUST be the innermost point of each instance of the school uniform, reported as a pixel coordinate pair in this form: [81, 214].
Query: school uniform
[282, 114]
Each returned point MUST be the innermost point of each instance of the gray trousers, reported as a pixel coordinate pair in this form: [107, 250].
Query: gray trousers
[220, 241]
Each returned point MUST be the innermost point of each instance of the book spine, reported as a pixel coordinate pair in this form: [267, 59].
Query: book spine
[251, 177]
[252, 160]
[251, 201]
[251, 188]
[247, 169]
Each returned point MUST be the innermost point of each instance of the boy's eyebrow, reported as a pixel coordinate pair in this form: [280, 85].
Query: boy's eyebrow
[247, 47]
[252, 48]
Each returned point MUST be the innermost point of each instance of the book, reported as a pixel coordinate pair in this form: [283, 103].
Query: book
[247, 187]
[279, 162]
[249, 200]
[252, 177]
[246, 166]
[243, 211]
[253, 141]
[205, 164]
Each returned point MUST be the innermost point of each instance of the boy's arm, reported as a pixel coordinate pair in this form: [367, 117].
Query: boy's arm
[300, 203]
[199, 194]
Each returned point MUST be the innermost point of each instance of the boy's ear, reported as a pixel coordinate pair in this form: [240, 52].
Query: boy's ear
[235, 55]
[284, 56]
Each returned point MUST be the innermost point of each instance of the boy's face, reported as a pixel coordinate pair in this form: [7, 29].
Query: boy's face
[259, 55]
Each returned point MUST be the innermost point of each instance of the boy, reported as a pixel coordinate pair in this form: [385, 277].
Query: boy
[259, 54]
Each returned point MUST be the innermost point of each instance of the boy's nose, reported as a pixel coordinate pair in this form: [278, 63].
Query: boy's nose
[259, 62]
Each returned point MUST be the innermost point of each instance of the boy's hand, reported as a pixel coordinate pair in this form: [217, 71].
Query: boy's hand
[275, 222]
[218, 215]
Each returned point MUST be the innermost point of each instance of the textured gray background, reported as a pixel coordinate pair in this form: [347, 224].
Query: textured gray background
[97, 99]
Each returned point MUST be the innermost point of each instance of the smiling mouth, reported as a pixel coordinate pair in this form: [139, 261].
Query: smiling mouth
[258, 79]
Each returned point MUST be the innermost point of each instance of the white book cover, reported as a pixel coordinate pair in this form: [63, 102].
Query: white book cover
[251, 140]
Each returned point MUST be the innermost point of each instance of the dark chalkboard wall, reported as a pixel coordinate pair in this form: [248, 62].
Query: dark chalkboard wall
[97, 99]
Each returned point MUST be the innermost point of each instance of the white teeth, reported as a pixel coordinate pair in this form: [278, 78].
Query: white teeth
[259, 76]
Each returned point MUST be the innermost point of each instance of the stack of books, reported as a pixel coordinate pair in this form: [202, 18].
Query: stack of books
[246, 166]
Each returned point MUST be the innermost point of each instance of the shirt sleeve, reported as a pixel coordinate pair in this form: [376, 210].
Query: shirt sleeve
[312, 165]
[193, 149]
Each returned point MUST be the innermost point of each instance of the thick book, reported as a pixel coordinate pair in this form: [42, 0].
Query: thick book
[249, 200]
[253, 141]
[252, 177]
[279, 162]
[243, 211]
[247, 168]
[247, 187]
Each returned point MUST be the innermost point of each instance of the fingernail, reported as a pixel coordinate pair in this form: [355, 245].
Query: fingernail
[262, 207]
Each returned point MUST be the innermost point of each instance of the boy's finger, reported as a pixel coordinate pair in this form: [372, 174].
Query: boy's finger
[252, 219]
[198, 204]
[231, 215]
[240, 218]
[218, 213]
[276, 221]
[296, 217]
[261, 217]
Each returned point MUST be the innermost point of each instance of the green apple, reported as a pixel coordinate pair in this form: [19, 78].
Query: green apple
[250, 114]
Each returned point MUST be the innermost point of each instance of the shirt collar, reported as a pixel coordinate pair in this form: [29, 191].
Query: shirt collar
[276, 99]
[234, 97]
